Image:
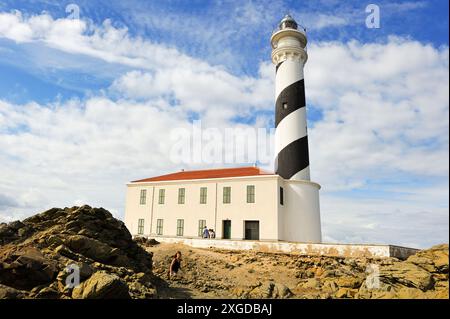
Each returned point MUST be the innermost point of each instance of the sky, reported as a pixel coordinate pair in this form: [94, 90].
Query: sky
[90, 92]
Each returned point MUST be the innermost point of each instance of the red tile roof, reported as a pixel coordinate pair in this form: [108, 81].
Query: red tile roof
[208, 173]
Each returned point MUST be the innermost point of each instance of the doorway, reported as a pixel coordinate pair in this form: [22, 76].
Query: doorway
[226, 229]
[252, 229]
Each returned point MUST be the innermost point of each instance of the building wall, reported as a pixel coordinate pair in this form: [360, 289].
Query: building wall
[191, 211]
[135, 211]
[214, 211]
[238, 211]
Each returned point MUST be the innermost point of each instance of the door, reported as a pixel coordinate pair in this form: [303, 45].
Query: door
[226, 229]
[252, 229]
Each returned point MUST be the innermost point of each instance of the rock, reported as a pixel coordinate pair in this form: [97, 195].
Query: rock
[16, 225]
[409, 293]
[281, 291]
[319, 272]
[102, 286]
[24, 231]
[66, 252]
[152, 242]
[234, 258]
[9, 293]
[44, 244]
[89, 247]
[265, 290]
[54, 241]
[328, 273]
[434, 259]
[13, 231]
[47, 293]
[437, 294]
[240, 292]
[311, 283]
[378, 292]
[329, 286]
[27, 268]
[341, 293]
[85, 270]
[406, 274]
[349, 282]
[270, 290]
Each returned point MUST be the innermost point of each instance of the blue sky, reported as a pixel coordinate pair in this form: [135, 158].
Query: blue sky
[83, 107]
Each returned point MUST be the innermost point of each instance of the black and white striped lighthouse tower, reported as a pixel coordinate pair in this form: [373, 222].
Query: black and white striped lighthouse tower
[291, 138]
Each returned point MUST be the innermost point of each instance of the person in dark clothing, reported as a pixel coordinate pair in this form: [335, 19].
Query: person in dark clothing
[205, 232]
[175, 265]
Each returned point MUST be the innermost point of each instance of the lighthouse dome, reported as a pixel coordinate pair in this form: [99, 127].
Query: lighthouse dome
[288, 22]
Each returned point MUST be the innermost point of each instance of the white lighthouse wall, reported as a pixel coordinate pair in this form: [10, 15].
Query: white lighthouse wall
[290, 71]
[290, 129]
[300, 215]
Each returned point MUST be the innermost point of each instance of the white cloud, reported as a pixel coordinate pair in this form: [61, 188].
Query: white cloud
[321, 21]
[404, 6]
[388, 114]
[384, 117]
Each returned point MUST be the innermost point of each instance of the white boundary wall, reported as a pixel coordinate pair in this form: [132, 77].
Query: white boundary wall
[343, 250]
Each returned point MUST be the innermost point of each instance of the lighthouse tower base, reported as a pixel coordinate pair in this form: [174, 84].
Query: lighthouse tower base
[299, 216]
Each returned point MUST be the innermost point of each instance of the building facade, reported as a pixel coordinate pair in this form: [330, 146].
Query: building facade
[237, 203]
[243, 203]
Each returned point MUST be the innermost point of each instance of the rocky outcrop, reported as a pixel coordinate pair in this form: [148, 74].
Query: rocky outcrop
[423, 275]
[215, 273]
[40, 254]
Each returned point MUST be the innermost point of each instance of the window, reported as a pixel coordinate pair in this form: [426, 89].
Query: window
[181, 195]
[159, 227]
[161, 196]
[140, 226]
[180, 227]
[285, 105]
[281, 196]
[250, 193]
[227, 195]
[201, 225]
[203, 194]
[143, 196]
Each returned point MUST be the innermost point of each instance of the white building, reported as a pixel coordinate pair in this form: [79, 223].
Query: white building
[243, 203]
[238, 203]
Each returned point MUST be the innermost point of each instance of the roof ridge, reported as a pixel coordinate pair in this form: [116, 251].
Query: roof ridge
[216, 169]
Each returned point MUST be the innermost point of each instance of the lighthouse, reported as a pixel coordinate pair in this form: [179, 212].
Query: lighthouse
[243, 203]
[291, 138]
[301, 213]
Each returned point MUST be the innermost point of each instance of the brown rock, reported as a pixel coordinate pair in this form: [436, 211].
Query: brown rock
[311, 283]
[101, 286]
[329, 286]
[349, 282]
[27, 268]
[47, 293]
[409, 293]
[9, 293]
[341, 293]
[406, 274]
